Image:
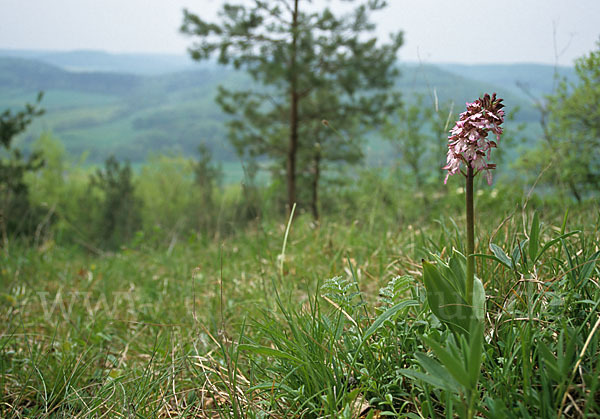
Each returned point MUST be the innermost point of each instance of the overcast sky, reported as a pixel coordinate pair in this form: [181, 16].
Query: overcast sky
[462, 31]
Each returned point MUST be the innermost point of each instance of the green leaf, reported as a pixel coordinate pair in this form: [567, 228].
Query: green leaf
[564, 223]
[445, 301]
[387, 315]
[518, 253]
[457, 269]
[475, 352]
[553, 242]
[452, 364]
[497, 408]
[491, 257]
[435, 369]
[452, 271]
[534, 237]
[429, 379]
[550, 361]
[478, 299]
[572, 264]
[588, 268]
[502, 257]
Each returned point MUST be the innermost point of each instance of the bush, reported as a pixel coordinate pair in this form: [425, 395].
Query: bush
[17, 216]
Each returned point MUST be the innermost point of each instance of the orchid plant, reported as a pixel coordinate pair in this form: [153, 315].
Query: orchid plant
[450, 289]
[454, 294]
[470, 145]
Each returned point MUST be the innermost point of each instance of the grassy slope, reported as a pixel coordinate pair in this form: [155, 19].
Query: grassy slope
[154, 332]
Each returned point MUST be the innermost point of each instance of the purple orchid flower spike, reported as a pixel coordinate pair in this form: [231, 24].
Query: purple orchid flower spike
[469, 141]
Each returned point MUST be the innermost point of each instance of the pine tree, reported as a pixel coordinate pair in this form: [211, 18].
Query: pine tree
[308, 65]
[120, 209]
[17, 216]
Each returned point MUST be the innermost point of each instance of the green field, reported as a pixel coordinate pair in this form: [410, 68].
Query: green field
[232, 328]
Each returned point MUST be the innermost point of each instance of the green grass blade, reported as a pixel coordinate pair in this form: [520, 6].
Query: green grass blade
[386, 315]
[534, 237]
[266, 351]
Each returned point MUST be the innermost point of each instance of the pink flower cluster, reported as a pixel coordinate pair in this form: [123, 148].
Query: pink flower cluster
[469, 142]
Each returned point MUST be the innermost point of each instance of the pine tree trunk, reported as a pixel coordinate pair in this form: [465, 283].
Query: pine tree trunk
[292, 152]
[315, 186]
[574, 191]
[294, 97]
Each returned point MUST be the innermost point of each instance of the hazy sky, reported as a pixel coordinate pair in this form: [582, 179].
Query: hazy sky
[463, 31]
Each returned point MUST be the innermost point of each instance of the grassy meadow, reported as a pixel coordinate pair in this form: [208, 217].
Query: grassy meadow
[321, 320]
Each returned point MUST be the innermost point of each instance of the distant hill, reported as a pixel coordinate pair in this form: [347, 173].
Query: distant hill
[27, 74]
[115, 113]
[535, 79]
[100, 61]
[147, 107]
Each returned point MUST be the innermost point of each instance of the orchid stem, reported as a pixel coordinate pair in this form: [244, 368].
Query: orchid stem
[470, 236]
